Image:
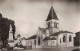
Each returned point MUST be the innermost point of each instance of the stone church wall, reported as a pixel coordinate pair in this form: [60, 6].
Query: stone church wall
[67, 42]
[54, 43]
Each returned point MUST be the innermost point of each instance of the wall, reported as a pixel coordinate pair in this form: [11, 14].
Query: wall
[45, 43]
[54, 43]
[72, 42]
[53, 30]
[40, 35]
[67, 43]
[49, 42]
[31, 41]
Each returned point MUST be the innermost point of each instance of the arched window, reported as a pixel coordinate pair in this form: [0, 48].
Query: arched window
[60, 40]
[64, 39]
[55, 25]
[70, 38]
[39, 41]
[48, 24]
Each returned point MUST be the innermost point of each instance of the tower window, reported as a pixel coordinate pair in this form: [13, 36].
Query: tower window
[55, 25]
[48, 25]
[70, 38]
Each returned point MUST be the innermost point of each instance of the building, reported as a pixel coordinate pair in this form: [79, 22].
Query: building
[77, 39]
[51, 35]
[32, 41]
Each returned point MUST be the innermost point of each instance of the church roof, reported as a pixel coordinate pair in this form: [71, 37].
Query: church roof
[52, 15]
[43, 30]
[77, 32]
[32, 37]
[53, 38]
[46, 38]
[49, 38]
[57, 33]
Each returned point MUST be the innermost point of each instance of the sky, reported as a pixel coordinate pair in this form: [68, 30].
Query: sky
[31, 14]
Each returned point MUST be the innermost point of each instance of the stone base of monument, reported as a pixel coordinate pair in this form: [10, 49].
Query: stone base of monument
[11, 43]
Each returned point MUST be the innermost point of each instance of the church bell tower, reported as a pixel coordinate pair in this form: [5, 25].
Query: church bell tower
[52, 22]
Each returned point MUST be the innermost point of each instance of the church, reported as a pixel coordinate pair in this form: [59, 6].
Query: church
[51, 36]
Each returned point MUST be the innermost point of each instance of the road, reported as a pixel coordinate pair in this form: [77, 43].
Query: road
[48, 49]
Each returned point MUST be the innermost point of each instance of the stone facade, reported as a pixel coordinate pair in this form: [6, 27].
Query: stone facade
[66, 39]
[51, 35]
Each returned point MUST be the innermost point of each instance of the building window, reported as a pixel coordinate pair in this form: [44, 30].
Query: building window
[64, 39]
[70, 38]
[55, 25]
[48, 24]
[60, 40]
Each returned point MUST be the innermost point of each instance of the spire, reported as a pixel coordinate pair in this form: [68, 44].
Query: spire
[52, 14]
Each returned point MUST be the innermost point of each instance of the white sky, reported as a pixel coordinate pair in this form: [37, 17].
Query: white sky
[29, 15]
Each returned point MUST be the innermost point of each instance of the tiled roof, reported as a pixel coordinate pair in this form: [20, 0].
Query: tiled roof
[57, 33]
[32, 37]
[49, 38]
[43, 30]
[46, 38]
[52, 15]
[53, 38]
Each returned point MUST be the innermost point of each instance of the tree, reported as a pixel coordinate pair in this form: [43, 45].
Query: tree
[13, 27]
[4, 29]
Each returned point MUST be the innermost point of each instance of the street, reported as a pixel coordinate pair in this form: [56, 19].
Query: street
[48, 49]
